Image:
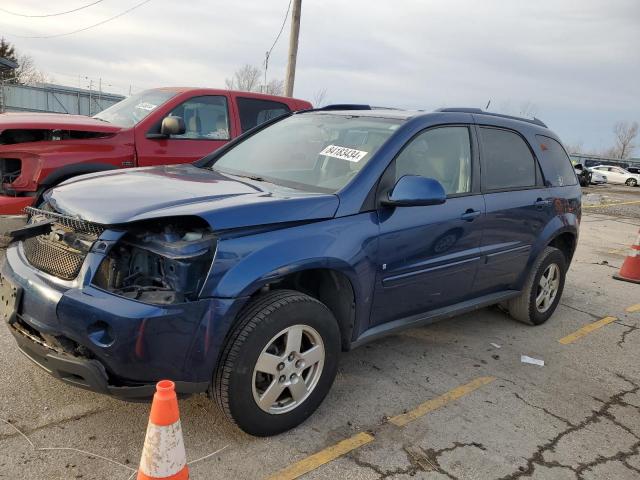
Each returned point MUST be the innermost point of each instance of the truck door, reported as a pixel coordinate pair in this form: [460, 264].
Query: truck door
[208, 126]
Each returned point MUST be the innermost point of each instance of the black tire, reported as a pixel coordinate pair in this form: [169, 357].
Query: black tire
[263, 319]
[632, 182]
[523, 307]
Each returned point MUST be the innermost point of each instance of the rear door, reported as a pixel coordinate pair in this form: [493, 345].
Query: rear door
[428, 255]
[254, 111]
[208, 126]
[518, 206]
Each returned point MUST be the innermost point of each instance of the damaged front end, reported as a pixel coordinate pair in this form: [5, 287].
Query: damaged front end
[159, 263]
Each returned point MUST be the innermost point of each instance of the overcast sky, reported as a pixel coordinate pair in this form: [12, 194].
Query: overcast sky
[576, 61]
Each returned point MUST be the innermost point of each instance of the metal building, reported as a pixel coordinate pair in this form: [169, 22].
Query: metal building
[54, 99]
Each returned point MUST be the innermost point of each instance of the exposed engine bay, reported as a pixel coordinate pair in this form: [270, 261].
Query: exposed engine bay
[162, 265]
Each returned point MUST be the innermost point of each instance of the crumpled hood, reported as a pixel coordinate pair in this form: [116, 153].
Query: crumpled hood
[124, 196]
[54, 121]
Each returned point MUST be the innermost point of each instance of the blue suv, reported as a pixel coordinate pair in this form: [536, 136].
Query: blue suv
[247, 273]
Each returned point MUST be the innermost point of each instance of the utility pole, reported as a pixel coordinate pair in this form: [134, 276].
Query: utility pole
[293, 48]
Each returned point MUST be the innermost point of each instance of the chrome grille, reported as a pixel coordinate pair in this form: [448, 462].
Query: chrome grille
[53, 258]
[74, 224]
[58, 253]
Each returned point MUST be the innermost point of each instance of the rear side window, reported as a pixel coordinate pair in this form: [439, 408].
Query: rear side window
[254, 111]
[507, 160]
[557, 162]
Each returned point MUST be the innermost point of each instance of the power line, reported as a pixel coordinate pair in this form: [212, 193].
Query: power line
[84, 28]
[286, 15]
[50, 14]
[268, 54]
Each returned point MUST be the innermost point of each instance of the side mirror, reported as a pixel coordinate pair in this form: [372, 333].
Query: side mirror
[414, 190]
[172, 126]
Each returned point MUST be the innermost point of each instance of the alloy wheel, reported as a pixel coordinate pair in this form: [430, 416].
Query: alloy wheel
[288, 369]
[548, 287]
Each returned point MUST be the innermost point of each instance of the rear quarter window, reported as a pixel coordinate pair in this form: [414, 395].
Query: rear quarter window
[558, 168]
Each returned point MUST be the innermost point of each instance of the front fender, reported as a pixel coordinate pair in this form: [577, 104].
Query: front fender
[244, 264]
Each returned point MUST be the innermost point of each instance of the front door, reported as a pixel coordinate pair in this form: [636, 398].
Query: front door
[207, 128]
[428, 255]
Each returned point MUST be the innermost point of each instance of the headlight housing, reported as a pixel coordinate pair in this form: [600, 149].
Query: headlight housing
[161, 265]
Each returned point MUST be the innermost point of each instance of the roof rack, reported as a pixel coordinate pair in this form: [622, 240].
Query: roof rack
[345, 106]
[534, 120]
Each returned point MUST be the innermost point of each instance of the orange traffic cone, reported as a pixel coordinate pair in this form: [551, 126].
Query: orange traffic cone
[630, 271]
[163, 455]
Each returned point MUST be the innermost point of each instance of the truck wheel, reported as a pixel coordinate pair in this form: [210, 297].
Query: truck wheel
[543, 289]
[278, 364]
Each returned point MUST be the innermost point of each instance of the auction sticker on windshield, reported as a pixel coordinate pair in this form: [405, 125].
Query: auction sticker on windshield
[146, 106]
[343, 153]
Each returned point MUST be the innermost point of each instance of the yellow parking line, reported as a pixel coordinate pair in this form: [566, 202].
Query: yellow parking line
[587, 329]
[435, 403]
[613, 204]
[633, 308]
[323, 456]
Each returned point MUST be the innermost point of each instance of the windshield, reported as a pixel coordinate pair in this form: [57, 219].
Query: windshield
[316, 152]
[133, 109]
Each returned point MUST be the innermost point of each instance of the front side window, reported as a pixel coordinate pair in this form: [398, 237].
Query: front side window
[443, 154]
[254, 111]
[133, 109]
[558, 162]
[507, 161]
[205, 118]
[318, 152]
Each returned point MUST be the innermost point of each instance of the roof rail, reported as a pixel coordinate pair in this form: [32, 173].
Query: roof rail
[534, 120]
[345, 106]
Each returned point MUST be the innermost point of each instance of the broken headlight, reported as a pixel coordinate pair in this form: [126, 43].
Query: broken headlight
[168, 265]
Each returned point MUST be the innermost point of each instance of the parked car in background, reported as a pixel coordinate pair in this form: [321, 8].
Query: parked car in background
[588, 176]
[618, 175]
[597, 178]
[635, 170]
[584, 174]
[155, 127]
[246, 273]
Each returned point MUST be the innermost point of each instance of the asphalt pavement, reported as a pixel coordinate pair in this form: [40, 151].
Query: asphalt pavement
[448, 401]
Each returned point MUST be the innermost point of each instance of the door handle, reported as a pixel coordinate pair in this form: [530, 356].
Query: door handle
[470, 215]
[540, 203]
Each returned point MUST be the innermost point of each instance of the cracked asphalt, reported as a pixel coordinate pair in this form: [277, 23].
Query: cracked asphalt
[578, 417]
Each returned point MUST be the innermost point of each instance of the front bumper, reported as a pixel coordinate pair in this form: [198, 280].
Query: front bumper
[15, 205]
[112, 345]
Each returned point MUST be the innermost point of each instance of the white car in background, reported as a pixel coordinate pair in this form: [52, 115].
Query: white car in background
[618, 175]
[597, 178]
[588, 176]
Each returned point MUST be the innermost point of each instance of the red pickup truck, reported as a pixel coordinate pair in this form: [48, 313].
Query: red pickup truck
[158, 126]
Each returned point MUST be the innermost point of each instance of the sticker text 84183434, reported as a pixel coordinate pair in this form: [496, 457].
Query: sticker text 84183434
[343, 153]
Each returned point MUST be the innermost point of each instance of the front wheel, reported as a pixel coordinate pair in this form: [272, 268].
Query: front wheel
[542, 290]
[632, 182]
[279, 363]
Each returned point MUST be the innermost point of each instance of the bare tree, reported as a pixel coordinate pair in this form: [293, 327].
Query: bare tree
[526, 109]
[574, 147]
[274, 87]
[318, 97]
[626, 133]
[246, 78]
[26, 73]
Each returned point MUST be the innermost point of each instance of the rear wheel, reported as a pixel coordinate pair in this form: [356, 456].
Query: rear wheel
[632, 182]
[278, 364]
[542, 290]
